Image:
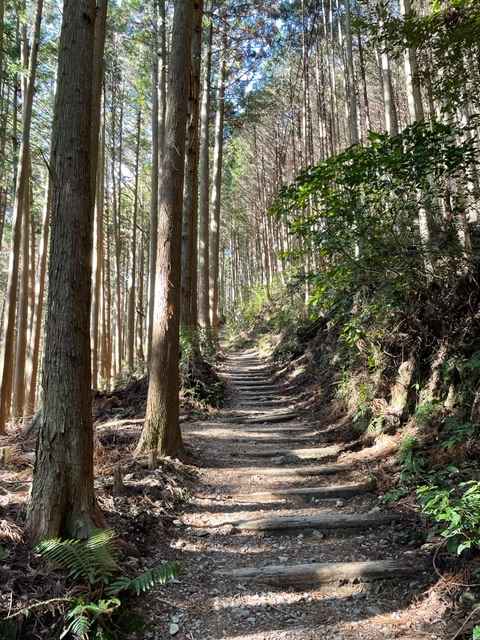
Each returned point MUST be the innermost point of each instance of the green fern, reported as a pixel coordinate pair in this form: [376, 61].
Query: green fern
[93, 560]
[147, 580]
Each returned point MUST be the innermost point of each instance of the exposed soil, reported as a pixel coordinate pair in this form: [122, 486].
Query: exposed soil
[201, 514]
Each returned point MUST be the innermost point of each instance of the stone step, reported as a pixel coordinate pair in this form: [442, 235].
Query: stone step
[320, 493]
[321, 573]
[324, 522]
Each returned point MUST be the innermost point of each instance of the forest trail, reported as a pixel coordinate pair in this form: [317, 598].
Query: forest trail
[284, 538]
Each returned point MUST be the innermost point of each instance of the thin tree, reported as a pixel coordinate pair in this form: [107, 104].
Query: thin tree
[204, 170]
[214, 253]
[62, 500]
[161, 432]
[21, 190]
[189, 305]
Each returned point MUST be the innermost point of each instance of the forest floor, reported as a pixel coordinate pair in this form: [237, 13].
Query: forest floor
[276, 519]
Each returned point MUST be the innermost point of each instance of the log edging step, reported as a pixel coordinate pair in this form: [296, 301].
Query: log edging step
[309, 452]
[324, 522]
[318, 573]
[321, 493]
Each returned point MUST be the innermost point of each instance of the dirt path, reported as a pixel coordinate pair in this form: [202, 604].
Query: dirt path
[284, 537]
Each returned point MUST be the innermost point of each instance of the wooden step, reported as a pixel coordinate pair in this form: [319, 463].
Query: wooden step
[262, 418]
[313, 452]
[324, 522]
[321, 493]
[321, 573]
[298, 472]
[268, 439]
[256, 384]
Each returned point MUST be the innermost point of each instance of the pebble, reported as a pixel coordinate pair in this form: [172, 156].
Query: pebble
[283, 558]
[174, 629]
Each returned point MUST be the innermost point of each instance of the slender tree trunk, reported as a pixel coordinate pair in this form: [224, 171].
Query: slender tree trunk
[21, 188]
[133, 255]
[63, 501]
[33, 356]
[414, 96]
[351, 75]
[216, 194]
[188, 314]
[161, 432]
[154, 173]
[97, 193]
[18, 401]
[204, 201]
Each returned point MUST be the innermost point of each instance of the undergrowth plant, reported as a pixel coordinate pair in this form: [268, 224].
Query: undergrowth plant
[99, 585]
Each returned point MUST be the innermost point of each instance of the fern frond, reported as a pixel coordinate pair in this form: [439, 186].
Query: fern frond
[79, 627]
[93, 560]
[124, 583]
[70, 555]
[160, 575]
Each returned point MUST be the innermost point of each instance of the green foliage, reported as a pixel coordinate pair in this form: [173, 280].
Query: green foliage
[446, 41]
[456, 512]
[357, 212]
[425, 414]
[457, 432]
[94, 567]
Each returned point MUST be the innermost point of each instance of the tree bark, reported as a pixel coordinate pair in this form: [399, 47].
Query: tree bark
[189, 307]
[217, 194]
[133, 255]
[204, 201]
[63, 501]
[161, 432]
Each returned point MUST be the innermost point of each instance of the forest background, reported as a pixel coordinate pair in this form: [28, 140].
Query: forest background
[329, 180]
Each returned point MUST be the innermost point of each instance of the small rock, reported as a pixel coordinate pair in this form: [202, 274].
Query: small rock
[339, 503]
[283, 558]
[251, 619]
[177, 523]
[174, 629]
[175, 619]
[317, 534]
[242, 587]
[375, 611]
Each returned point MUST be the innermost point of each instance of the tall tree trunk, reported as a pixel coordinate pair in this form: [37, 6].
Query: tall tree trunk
[33, 356]
[63, 501]
[216, 194]
[133, 255]
[351, 75]
[204, 196]
[97, 193]
[188, 313]
[21, 188]
[414, 95]
[158, 144]
[161, 432]
[18, 401]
